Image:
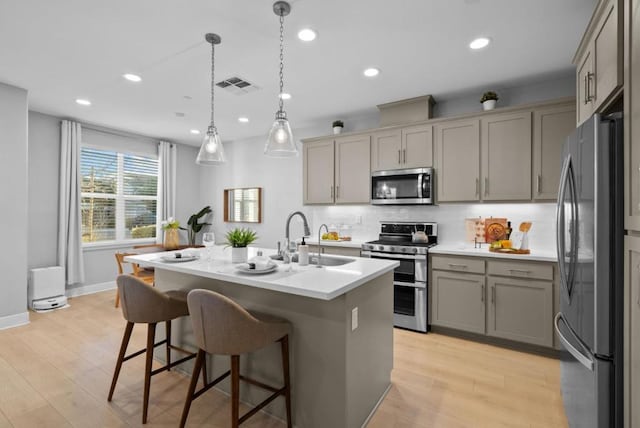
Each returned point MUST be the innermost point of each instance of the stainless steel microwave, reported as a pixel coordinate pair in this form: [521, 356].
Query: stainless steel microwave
[402, 187]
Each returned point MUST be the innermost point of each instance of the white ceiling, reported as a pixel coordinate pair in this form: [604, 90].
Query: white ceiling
[68, 49]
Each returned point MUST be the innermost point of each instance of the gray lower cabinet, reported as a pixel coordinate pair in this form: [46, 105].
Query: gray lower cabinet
[458, 301]
[520, 310]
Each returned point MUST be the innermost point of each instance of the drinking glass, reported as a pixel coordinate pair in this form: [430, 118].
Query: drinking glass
[208, 240]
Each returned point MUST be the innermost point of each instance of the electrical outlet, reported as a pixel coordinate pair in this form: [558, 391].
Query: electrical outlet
[354, 318]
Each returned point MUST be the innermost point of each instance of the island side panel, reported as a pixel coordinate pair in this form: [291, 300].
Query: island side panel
[317, 350]
[369, 347]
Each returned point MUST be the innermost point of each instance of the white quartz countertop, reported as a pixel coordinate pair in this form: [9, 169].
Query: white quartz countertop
[468, 250]
[324, 283]
[355, 243]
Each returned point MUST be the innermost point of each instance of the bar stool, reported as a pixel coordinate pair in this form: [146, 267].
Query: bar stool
[223, 327]
[144, 304]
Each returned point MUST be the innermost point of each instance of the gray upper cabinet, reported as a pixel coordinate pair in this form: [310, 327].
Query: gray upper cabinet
[598, 61]
[457, 160]
[506, 157]
[318, 172]
[632, 119]
[352, 174]
[407, 147]
[551, 126]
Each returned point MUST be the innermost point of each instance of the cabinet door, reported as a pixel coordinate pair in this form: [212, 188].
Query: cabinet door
[632, 119]
[458, 301]
[584, 77]
[386, 150]
[521, 310]
[353, 176]
[457, 160]
[551, 126]
[607, 69]
[417, 146]
[318, 172]
[632, 330]
[506, 157]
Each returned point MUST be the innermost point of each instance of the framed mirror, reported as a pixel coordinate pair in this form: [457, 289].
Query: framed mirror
[243, 205]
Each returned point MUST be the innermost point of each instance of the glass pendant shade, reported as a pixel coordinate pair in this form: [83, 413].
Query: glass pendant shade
[212, 151]
[280, 142]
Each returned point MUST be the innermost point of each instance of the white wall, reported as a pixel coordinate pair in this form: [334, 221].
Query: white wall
[14, 199]
[281, 180]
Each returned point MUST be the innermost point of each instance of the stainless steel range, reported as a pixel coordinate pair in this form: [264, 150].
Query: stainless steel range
[407, 243]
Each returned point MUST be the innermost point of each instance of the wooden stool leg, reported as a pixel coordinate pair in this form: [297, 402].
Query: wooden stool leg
[123, 349]
[168, 344]
[235, 391]
[117, 297]
[284, 346]
[192, 386]
[151, 335]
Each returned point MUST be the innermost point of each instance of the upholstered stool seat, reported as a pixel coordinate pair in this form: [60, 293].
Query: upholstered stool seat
[144, 304]
[222, 327]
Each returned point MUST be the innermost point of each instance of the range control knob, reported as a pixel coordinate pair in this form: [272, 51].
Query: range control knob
[414, 250]
[380, 247]
[393, 249]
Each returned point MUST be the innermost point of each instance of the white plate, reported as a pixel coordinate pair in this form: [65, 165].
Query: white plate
[174, 259]
[244, 268]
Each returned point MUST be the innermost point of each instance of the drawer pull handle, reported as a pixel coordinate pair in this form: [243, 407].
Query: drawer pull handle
[526, 272]
[456, 265]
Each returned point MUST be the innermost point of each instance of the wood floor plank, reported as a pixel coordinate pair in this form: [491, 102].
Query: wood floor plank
[56, 372]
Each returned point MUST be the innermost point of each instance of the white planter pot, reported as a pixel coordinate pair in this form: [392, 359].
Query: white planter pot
[239, 254]
[489, 104]
[337, 130]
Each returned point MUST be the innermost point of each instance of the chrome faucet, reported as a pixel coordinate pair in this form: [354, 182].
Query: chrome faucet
[307, 232]
[320, 243]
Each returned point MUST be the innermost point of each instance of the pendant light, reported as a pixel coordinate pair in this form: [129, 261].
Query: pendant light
[212, 151]
[280, 142]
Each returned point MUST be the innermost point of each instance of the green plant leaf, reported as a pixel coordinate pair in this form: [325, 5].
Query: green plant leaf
[240, 237]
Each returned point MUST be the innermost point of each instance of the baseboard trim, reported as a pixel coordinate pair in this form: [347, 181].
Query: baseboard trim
[91, 289]
[16, 320]
[375, 408]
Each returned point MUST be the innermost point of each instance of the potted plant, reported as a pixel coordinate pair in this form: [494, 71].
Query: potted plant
[337, 126]
[488, 100]
[171, 237]
[194, 226]
[238, 239]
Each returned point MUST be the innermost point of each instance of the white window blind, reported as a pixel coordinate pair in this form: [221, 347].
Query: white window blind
[119, 195]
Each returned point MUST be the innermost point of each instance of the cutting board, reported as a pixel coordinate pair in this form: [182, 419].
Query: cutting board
[495, 229]
[474, 228]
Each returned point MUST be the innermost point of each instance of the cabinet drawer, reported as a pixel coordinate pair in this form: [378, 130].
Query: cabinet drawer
[520, 269]
[458, 264]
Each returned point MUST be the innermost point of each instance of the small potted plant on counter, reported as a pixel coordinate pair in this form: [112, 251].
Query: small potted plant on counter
[238, 239]
[488, 100]
[337, 126]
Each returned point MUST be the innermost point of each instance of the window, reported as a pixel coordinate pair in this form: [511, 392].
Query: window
[119, 195]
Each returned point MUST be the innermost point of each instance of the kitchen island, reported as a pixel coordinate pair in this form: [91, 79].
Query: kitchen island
[341, 357]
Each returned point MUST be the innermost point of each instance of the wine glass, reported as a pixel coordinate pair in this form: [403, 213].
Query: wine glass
[208, 240]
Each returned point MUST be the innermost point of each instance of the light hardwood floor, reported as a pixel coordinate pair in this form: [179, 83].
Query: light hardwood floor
[56, 372]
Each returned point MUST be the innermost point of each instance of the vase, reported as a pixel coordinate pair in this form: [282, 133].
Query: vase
[239, 254]
[489, 104]
[337, 130]
[171, 239]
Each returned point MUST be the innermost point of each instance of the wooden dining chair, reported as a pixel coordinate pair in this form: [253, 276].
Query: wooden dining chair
[142, 274]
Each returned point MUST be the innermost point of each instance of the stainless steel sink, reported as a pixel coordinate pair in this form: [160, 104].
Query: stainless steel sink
[313, 260]
[330, 261]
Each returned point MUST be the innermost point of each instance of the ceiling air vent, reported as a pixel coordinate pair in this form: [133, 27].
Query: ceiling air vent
[237, 85]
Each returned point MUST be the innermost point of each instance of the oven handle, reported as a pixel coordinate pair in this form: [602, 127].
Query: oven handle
[391, 256]
[410, 284]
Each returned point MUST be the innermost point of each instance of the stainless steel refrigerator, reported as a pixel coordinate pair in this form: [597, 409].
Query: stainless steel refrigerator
[590, 260]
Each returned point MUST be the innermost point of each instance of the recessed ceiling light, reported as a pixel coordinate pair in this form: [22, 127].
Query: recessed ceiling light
[285, 96]
[371, 72]
[132, 77]
[243, 119]
[479, 43]
[83, 102]
[307, 35]
[195, 132]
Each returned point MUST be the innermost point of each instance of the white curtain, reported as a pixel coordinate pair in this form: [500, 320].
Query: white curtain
[166, 185]
[69, 216]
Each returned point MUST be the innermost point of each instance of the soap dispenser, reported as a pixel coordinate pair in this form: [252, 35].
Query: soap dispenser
[303, 253]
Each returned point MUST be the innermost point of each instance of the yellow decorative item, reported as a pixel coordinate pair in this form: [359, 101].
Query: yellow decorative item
[171, 239]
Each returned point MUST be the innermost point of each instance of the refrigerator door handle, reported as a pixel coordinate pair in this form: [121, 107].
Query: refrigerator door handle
[585, 360]
[560, 229]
